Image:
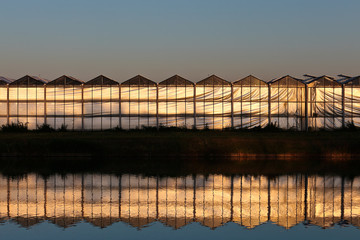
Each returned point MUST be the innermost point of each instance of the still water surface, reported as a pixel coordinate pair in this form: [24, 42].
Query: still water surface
[109, 206]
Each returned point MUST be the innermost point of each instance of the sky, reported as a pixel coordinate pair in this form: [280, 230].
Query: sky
[192, 38]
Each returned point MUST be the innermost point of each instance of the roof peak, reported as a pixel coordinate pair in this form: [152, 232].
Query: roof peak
[139, 80]
[213, 80]
[176, 80]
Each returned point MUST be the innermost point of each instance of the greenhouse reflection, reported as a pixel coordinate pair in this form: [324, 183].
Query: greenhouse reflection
[212, 200]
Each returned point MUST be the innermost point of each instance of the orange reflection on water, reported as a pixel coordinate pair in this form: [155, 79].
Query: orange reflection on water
[211, 200]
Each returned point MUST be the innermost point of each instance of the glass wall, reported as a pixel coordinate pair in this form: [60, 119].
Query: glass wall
[26, 101]
[324, 103]
[3, 101]
[64, 103]
[288, 103]
[101, 104]
[213, 103]
[251, 103]
[352, 101]
[138, 103]
[176, 102]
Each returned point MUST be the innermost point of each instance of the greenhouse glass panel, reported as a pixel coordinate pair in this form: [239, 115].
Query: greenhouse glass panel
[138, 103]
[64, 97]
[175, 94]
[101, 97]
[324, 103]
[288, 103]
[250, 103]
[352, 101]
[26, 101]
[213, 103]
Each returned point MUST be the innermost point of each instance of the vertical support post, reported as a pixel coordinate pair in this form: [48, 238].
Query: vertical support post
[64, 102]
[101, 107]
[120, 123]
[342, 200]
[82, 107]
[194, 105]
[45, 198]
[157, 106]
[8, 197]
[232, 106]
[232, 198]
[269, 103]
[82, 195]
[305, 199]
[343, 105]
[306, 108]
[8, 104]
[194, 198]
[45, 105]
[269, 199]
[241, 106]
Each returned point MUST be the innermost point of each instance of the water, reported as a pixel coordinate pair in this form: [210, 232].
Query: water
[131, 206]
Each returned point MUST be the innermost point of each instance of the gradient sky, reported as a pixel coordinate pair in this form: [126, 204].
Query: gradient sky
[193, 38]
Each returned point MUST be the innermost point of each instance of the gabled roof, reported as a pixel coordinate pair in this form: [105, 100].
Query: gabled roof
[139, 81]
[174, 222]
[351, 80]
[138, 222]
[101, 222]
[29, 80]
[5, 80]
[322, 81]
[66, 80]
[343, 78]
[213, 80]
[288, 81]
[63, 221]
[101, 80]
[176, 80]
[250, 81]
[27, 222]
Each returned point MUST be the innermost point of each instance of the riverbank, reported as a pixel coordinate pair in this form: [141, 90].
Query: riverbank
[245, 145]
[179, 153]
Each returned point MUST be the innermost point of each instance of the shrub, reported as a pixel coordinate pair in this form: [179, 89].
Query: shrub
[15, 127]
[44, 128]
[117, 129]
[63, 128]
[272, 127]
[351, 126]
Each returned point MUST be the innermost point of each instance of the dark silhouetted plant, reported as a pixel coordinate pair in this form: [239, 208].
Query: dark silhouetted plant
[44, 128]
[63, 128]
[15, 127]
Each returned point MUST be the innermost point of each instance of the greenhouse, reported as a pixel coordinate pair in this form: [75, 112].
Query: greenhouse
[288, 103]
[4, 103]
[351, 91]
[26, 101]
[101, 103]
[138, 99]
[63, 102]
[324, 103]
[250, 103]
[176, 102]
[212, 103]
